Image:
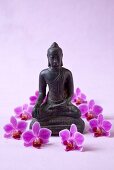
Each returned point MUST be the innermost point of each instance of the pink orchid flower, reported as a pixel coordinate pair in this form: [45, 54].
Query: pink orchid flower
[79, 97]
[24, 112]
[37, 136]
[14, 129]
[73, 140]
[34, 98]
[90, 110]
[100, 127]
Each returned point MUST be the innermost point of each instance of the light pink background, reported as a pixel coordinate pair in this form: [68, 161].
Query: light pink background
[84, 30]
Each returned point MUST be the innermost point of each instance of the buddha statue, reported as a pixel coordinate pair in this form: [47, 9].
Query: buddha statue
[55, 110]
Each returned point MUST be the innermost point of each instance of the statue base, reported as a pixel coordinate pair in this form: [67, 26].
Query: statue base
[60, 123]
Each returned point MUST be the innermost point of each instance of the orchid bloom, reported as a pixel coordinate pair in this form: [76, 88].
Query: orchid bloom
[73, 140]
[34, 98]
[100, 127]
[79, 97]
[90, 110]
[24, 112]
[14, 129]
[37, 136]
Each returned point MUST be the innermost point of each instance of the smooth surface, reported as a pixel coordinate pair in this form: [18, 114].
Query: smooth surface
[84, 30]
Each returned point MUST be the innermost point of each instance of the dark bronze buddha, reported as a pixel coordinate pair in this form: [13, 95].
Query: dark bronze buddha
[55, 110]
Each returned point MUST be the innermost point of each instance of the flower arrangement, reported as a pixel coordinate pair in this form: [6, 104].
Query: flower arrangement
[71, 139]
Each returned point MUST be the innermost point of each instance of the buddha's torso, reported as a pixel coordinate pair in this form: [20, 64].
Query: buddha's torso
[56, 82]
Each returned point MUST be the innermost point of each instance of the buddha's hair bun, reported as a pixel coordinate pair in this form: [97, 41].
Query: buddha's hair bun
[54, 47]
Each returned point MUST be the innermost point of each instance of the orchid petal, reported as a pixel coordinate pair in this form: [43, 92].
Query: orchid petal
[73, 129]
[36, 128]
[79, 148]
[30, 108]
[33, 98]
[93, 123]
[28, 144]
[74, 98]
[28, 136]
[13, 121]
[18, 110]
[21, 126]
[29, 116]
[100, 119]
[106, 125]
[78, 91]
[8, 128]
[91, 104]
[83, 96]
[79, 138]
[37, 93]
[32, 103]
[64, 134]
[25, 106]
[44, 134]
[106, 133]
[83, 108]
[7, 135]
[97, 109]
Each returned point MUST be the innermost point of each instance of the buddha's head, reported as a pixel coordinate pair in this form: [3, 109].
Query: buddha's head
[55, 55]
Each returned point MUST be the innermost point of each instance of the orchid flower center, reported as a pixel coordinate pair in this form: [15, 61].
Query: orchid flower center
[16, 134]
[98, 132]
[69, 146]
[24, 116]
[89, 116]
[78, 101]
[37, 143]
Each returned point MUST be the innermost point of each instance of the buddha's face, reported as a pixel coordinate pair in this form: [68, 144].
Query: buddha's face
[55, 59]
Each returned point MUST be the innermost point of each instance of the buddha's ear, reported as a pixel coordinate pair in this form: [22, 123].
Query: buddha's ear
[48, 63]
[62, 60]
[61, 63]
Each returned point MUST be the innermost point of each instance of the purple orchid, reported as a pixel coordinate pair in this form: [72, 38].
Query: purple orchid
[37, 136]
[24, 112]
[73, 140]
[90, 110]
[100, 127]
[79, 97]
[34, 98]
[14, 129]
